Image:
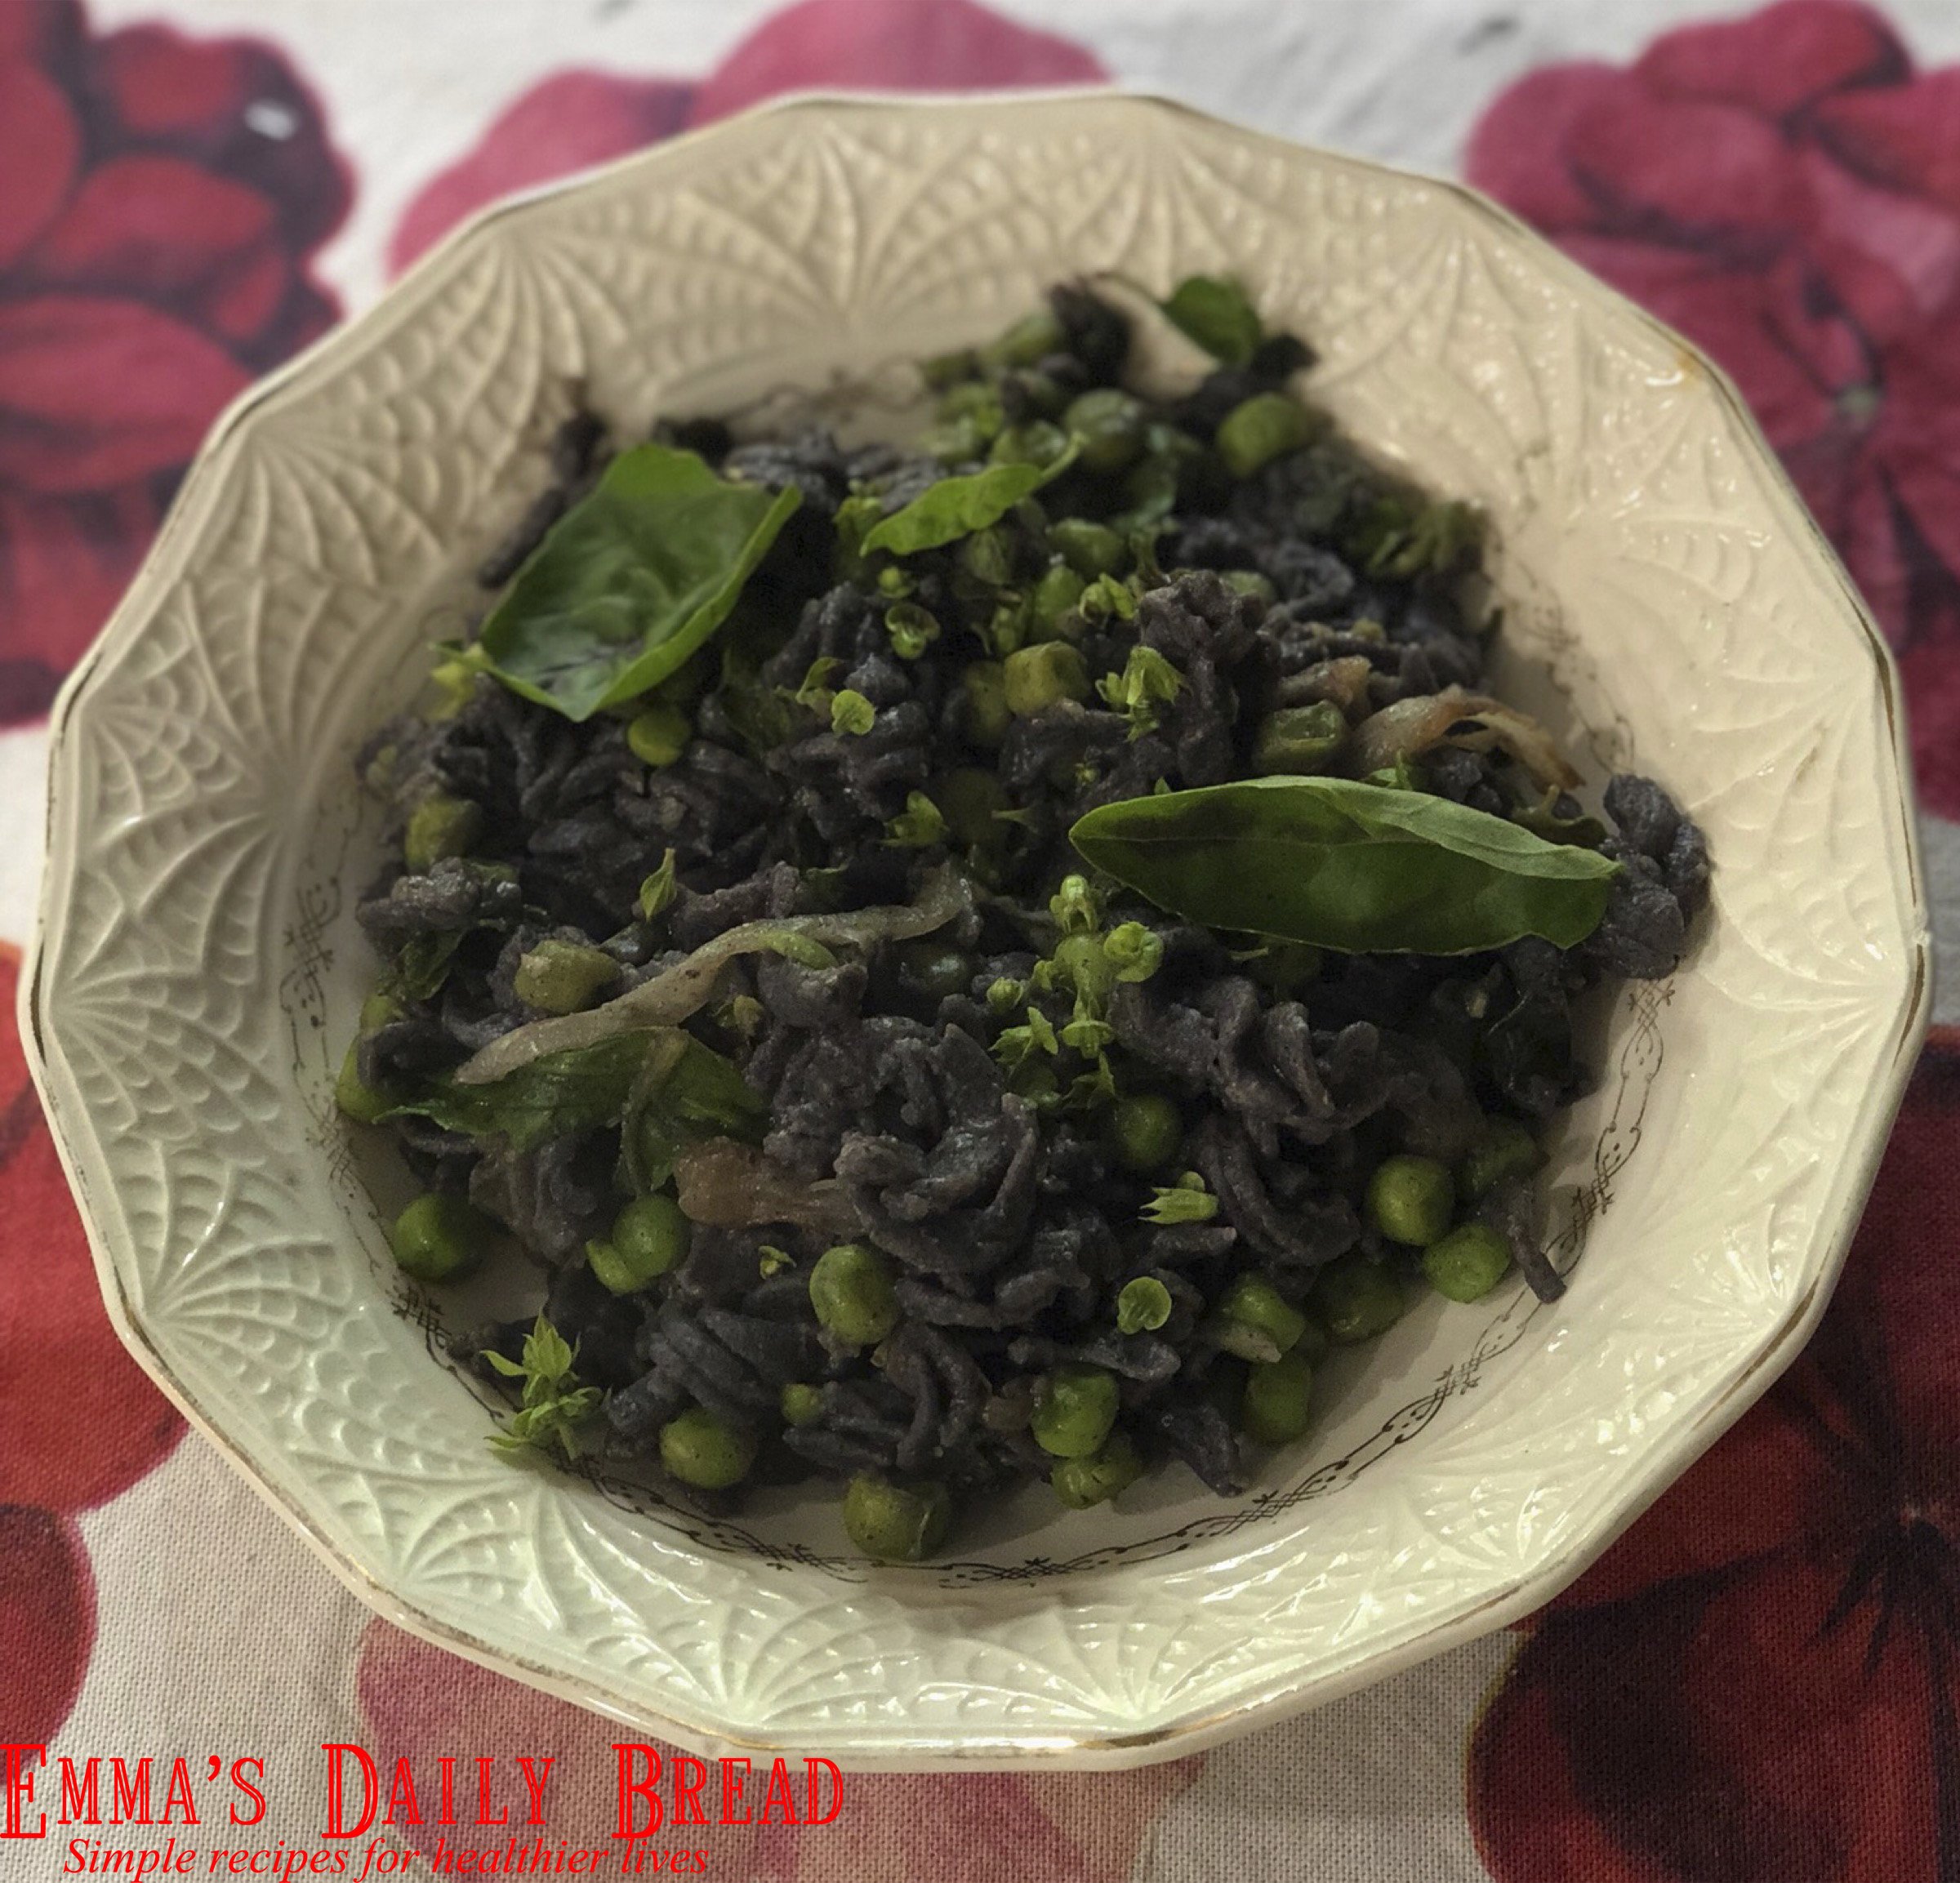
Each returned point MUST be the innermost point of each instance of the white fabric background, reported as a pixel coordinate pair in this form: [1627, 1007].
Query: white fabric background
[219, 1631]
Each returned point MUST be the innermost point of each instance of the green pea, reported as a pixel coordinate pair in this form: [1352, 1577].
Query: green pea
[954, 441]
[1036, 442]
[935, 968]
[1468, 1262]
[1083, 1482]
[378, 1010]
[1090, 549]
[605, 1262]
[1410, 1199]
[438, 1238]
[1356, 1298]
[1074, 1407]
[1504, 1149]
[1301, 740]
[440, 826]
[659, 735]
[1037, 391]
[987, 715]
[1147, 1129]
[1255, 1322]
[987, 555]
[896, 1523]
[1109, 425]
[1265, 427]
[1250, 582]
[967, 799]
[1044, 675]
[365, 1104]
[650, 1236]
[1173, 468]
[1030, 339]
[801, 1404]
[1006, 626]
[454, 681]
[975, 401]
[1085, 965]
[562, 976]
[1273, 1410]
[700, 1449]
[851, 1290]
[946, 369]
[1055, 595]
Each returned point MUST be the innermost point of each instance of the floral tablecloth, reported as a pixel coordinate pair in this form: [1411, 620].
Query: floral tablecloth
[1760, 1684]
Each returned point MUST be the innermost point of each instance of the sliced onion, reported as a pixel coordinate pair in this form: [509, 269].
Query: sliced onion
[1526, 740]
[1344, 681]
[724, 1184]
[1474, 721]
[675, 993]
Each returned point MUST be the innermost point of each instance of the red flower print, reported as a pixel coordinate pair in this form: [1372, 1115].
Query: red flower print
[47, 1621]
[562, 124]
[578, 118]
[1760, 1682]
[1063, 1827]
[1785, 189]
[888, 46]
[160, 201]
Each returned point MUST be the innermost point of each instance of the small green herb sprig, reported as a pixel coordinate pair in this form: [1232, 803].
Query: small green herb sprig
[554, 1406]
[1187, 1200]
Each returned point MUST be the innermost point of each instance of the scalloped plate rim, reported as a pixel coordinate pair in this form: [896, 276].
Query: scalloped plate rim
[1772, 1349]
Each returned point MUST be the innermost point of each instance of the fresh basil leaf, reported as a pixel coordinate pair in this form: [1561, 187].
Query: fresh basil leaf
[631, 580]
[957, 506]
[1543, 820]
[682, 1092]
[1217, 315]
[1405, 536]
[546, 1099]
[1340, 864]
[423, 964]
[758, 715]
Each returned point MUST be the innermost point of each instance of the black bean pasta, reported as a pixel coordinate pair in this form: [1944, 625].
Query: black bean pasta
[749, 965]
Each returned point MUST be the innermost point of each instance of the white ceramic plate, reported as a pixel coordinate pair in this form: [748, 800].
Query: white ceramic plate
[198, 970]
